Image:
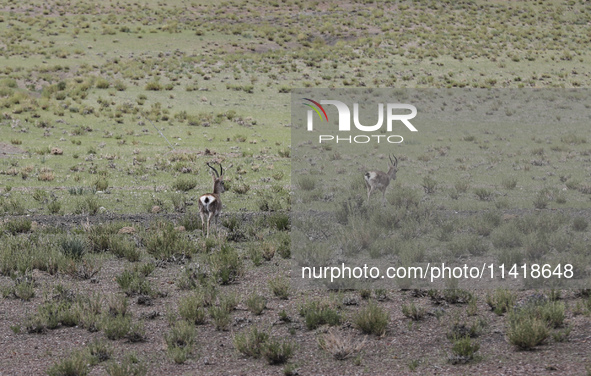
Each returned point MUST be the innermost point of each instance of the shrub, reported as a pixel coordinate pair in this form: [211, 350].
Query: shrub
[484, 194]
[166, 243]
[184, 184]
[413, 312]
[280, 287]
[100, 351]
[279, 221]
[102, 83]
[73, 247]
[77, 364]
[541, 201]
[18, 225]
[226, 265]
[116, 327]
[509, 183]
[54, 207]
[372, 319]
[191, 309]
[220, 316]
[133, 282]
[129, 366]
[122, 247]
[190, 222]
[580, 224]
[339, 346]
[256, 304]
[500, 301]
[306, 182]
[429, 184]
[526, 332]
[180, 341]
[250, 343]
[277, 351]
[101, 184]
[464, 350]
[153, 86]
[317, 313]
[507, 236]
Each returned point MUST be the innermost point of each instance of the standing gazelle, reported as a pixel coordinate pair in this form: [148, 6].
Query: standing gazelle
[210, 204]
[380, 180]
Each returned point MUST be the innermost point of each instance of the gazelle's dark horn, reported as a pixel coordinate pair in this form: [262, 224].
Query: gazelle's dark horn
[221, 170]
[214, 170]
[396, 159]
[391, 161]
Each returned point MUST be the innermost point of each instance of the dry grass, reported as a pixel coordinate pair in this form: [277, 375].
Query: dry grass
[340, 345]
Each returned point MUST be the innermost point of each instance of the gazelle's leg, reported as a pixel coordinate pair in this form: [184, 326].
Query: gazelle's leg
[384, 197]
[369, 191]
[209, 221]
[208, 218]
[202, 221]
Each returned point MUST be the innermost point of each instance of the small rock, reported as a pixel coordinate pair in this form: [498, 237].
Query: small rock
[155, 209]
[57, 151]
[180, 228]
[127, 230]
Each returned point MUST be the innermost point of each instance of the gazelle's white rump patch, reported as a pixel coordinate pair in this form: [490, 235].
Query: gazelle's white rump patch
[371, 175]
[206, 200]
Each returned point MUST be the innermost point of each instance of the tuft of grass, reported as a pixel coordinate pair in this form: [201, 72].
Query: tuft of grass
[464, 350]
[277, 351]
[526, 332]
[18, 226]
[429, 185]
[226, 265]
[100, 351]
[191, 308]
[166, 243]
[256, 304]
[73, 247]
[250, 342]
[131, 365]
[501, 301]
[580, 224]
[372, 319]
[484, 194]
[76, 364]
[509, 183]
[340, 346]
[116, 327]
[184, 184]
[306, 182]
[413, 311]
[180, 341]
[316, 313]
[280, 287]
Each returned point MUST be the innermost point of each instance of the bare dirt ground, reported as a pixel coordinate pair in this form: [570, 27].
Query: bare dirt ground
[7, 150]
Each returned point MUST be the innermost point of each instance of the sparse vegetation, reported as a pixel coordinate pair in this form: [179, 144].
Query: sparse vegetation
[110, 113]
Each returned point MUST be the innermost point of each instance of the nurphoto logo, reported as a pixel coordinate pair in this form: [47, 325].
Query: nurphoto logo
[391, 113]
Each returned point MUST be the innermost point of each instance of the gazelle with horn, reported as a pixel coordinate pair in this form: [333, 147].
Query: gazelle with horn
[380, 180]
[210, 204]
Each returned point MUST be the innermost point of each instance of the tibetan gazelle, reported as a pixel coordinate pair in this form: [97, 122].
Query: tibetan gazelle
[210, 204]
[379, 180]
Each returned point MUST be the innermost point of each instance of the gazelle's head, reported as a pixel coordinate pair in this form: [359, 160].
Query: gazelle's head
[218, 179]
[393, 167]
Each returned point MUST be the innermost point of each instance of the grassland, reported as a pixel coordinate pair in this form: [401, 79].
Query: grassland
[109, 112]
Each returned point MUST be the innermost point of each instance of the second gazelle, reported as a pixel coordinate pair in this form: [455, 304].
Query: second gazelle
[380, 180]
